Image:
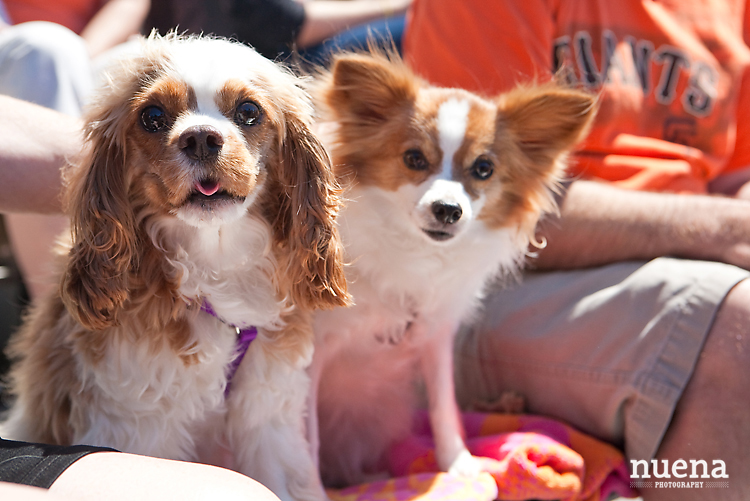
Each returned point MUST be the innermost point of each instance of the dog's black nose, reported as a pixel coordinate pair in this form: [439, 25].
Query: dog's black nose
[201, 142]
[446, 213]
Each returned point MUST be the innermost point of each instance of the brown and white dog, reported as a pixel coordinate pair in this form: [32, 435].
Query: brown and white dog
[444, 192]
[204, 206]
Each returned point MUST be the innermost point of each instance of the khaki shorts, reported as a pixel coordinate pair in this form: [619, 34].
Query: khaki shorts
[608, 350]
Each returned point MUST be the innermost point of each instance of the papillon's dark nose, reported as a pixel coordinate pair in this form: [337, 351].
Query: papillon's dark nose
[201, 142]
[446, 213]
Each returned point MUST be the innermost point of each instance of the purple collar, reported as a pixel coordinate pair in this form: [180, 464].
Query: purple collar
[244, 338]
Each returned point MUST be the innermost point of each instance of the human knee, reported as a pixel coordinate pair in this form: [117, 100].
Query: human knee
[43, 45]
[46, 64]
[726, 353]
[732, 321]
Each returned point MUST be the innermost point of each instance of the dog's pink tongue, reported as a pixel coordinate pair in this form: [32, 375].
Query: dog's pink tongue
[208, 188]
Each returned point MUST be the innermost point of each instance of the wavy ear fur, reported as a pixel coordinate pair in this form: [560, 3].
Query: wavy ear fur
[95, 282]
[304, 215]
[107, 249]
[105, 244]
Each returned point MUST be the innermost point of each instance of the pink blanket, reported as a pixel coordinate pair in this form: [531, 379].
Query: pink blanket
[528, 458]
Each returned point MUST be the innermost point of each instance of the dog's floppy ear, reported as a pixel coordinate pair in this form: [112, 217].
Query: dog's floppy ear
[103, 254]
[365, 87]
[304, 212]
[546, 120]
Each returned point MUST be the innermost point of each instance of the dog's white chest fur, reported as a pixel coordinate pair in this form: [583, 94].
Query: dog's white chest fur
[397, 274]
[172, 404]
[230, 266]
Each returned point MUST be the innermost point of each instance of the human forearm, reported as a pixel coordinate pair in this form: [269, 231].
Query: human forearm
[326, 18]
[601, 224]
[35, 143]
[115, 22]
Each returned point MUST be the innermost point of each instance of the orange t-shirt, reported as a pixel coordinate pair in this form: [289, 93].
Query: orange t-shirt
[73, 14]
[669, 74]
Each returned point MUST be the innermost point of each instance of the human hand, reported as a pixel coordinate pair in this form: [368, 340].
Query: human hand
[737, 254]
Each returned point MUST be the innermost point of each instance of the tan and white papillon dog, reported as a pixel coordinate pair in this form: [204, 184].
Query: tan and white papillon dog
[444, 189]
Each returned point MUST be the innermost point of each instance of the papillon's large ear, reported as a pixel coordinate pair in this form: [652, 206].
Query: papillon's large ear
[539, 125]
[304, 215]
[104, 242]
[364, 88]
[546, 120]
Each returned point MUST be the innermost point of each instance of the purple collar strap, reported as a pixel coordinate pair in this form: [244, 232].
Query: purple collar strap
[242, 343]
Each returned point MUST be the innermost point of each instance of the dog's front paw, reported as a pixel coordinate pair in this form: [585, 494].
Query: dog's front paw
[466, 465]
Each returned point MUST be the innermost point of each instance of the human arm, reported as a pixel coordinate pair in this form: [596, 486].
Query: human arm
[114, 23]
[326, 18]
[602, 224]
[34, 145]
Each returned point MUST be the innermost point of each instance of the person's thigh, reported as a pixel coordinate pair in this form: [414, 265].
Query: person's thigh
[125, 477]
[608, 350]
[20, 492]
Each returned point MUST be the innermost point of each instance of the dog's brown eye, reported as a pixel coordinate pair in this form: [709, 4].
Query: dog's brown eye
[247, 113]
[482, 168]
[153, 118]
[415, 160]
